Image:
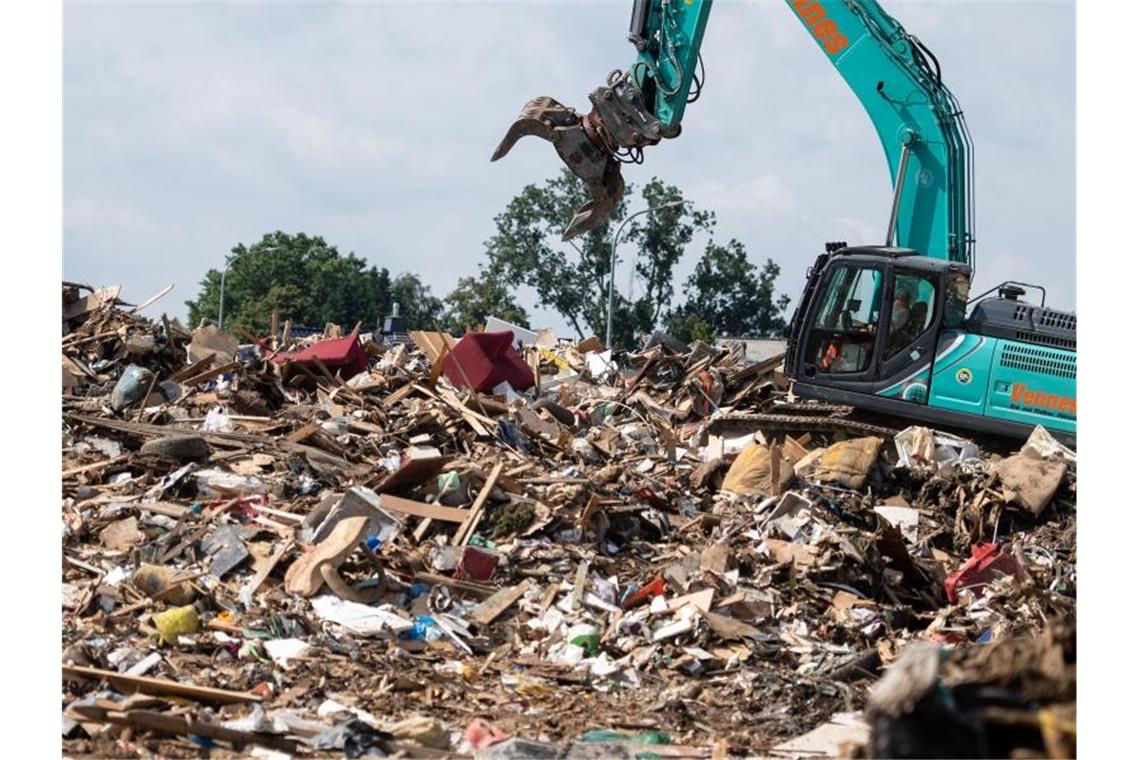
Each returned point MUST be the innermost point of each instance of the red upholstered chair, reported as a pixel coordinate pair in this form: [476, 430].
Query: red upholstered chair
[483, 360]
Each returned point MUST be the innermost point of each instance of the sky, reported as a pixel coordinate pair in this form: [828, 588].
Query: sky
[191, 127]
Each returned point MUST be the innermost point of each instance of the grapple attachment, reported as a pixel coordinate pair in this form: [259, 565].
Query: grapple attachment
[581, 148]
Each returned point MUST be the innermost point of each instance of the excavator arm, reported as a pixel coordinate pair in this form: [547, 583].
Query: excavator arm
[897, 80]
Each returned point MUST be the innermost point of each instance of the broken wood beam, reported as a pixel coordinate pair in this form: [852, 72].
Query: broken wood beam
[160, 687]
[476, 512]
[498, 603]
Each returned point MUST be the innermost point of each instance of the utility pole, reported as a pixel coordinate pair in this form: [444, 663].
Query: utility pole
[613, 265]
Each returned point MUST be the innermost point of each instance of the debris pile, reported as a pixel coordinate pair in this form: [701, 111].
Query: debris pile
[508, 545]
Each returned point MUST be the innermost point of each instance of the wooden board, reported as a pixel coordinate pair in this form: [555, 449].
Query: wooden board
[420, 509]
[412, 473]
[303, 432]
[498, 603]
[180, 725]
[161, 508]
[209, 374]
[476, 512]
[433, 344]
[161, 686]
[702, 600]
[91, 302]
[473, 587]
[729, 627]
[580, 576]
[262, 574]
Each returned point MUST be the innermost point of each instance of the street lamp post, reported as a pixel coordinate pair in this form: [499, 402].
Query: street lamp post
[613, 265]
[226, 268]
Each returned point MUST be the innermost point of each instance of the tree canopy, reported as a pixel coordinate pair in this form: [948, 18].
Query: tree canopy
[476, 298]
[726, 295]
[311, 283]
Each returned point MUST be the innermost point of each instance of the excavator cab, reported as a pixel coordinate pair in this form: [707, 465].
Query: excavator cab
[886, 329]
[869, 320]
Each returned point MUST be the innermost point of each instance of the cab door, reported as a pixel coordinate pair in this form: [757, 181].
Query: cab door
[843, 329]
[910, 324]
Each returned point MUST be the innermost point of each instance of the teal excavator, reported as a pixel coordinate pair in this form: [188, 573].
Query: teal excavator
[884, 328]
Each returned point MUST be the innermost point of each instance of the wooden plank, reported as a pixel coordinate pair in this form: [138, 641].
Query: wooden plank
[89, 303]
[68, 343]
[411, 473]
[775, 464]
[303, 432]
[584, 519]
[182, 725]
[580, 576]
[151, 300]
[729, 627]
[453, 401]
[139, 428]
[211, 373]
[548, 597]
[433, 344]
[474, 419]
[96, 465]
[475, 514]
[397, 395]
[161, 687]
[262, 574]
[162, 508]
[421, 529]
[193, 369]
[702, 600]
[498, 603]
[471, 587]
[146, 397]
[420, 509]
[336, 382]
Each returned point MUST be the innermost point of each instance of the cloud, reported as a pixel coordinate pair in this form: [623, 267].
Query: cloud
[190, 127]
[104, 216]
[763, 194]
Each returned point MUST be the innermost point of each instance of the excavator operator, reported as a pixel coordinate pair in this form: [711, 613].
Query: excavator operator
[900, 317]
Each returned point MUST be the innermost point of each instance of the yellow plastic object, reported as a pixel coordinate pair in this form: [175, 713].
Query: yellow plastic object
[558, 360]
[179, 621]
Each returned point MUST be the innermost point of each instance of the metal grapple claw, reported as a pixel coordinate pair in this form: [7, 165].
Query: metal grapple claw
[545, 117]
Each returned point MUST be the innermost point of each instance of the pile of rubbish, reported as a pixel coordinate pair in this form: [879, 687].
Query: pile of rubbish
[511, 545]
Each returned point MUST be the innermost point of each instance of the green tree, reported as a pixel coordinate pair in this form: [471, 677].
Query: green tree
[727, 295]
[572, 278]
[303, 278]
[419, 308]
[476, 298]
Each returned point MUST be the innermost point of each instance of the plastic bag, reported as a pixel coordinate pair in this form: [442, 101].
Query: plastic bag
[217, 421]
[131, 388]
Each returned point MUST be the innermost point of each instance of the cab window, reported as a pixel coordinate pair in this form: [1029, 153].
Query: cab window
[912, 310]
[843, 338]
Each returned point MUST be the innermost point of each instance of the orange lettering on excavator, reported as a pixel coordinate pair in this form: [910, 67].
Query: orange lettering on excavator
[825, 30]
[1023, 394]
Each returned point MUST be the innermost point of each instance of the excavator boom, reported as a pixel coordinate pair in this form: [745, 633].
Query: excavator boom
[897, 80]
